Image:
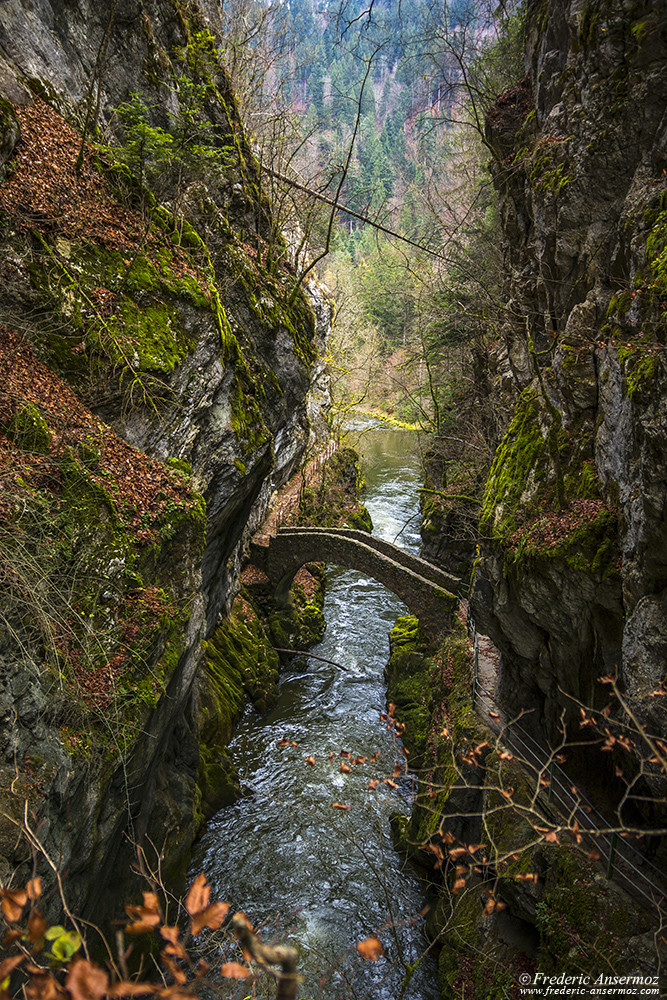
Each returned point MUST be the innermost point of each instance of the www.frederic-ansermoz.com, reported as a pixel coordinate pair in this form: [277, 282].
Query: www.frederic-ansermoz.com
[540, 985]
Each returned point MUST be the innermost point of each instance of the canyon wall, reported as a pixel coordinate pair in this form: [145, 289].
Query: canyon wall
[162, 376]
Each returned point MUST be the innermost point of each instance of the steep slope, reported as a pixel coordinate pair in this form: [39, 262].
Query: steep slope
[161, 378]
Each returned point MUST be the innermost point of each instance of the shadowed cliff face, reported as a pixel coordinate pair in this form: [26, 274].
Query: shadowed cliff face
[571, 577]
[161, 378]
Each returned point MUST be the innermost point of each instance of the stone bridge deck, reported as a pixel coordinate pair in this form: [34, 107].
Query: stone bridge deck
[429, 592]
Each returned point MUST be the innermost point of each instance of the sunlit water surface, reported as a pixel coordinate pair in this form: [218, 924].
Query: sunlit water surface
[326, 877]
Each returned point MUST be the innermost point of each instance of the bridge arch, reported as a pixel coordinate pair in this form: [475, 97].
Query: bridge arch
[426, 590]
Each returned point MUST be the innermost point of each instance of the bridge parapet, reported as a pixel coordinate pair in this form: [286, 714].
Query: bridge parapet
[427, 596]
[418, 565]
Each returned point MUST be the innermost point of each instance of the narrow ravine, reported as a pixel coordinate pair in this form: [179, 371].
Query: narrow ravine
[284, 854]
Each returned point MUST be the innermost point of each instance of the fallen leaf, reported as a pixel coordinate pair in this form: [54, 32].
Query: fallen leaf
[370, 948]
[234, 970]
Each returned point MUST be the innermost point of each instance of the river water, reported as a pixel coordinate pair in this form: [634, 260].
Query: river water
[328, 878]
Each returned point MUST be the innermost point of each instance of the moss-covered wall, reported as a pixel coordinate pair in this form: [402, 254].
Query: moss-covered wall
[156, 361]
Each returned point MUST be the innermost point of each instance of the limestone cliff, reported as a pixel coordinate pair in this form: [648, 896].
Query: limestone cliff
[162, 376]
[570, 579]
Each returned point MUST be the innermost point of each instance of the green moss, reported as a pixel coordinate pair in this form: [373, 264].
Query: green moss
[239, 662]
[217, 781]
[538, 496]
[301, 624]
[360, 519]
[246, 416]
[583, 922]
[28, 429]
[656, 259]
[521, 458]
[270, 301]
[429, 685]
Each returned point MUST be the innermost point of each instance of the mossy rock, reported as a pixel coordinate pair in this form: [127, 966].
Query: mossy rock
[584, 921]
[239, 663]
[28, 429]
[360, 519]
[217, 780]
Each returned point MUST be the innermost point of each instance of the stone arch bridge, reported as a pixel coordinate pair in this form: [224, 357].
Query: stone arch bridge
[429, 592]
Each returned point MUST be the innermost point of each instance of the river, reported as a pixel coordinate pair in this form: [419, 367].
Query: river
[283, 854]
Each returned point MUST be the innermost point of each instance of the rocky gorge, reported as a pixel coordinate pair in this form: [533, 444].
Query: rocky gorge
[163, 375]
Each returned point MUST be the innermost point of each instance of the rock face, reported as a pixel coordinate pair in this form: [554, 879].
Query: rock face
[572, 568]
[162, 377]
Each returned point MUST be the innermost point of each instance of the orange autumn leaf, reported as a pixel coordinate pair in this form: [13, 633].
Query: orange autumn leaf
[458, 885]
[172, 968]
[170, 934]
[86, 981]
[311, 761]
[457, 852]
[36, 927]
[43, 986]
[397, 772]
[151, 901]
[339, 805]
[211, 917]
[125, 989]
[34, 888]
[370, 948]
[373, 784]
[145, 922]
[234, 970]
[198, 896]
[8, 965]
[392, 784]
[13, 901]
[344, 768]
